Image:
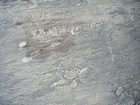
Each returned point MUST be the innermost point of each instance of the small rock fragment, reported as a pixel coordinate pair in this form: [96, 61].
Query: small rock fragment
[119, 91]
[61, 82]
[136, 93]
[73, 84]
[70, 75]
[77, 28]
[22, 44]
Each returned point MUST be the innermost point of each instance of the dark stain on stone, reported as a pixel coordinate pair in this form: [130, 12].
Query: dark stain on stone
[47, 36]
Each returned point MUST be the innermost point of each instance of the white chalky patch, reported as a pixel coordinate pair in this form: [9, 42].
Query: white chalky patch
[25, 59]
[22, 44]
[72, 31]
[55, 44]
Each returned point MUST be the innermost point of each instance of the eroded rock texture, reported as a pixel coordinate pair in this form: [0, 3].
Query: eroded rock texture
[69, 52]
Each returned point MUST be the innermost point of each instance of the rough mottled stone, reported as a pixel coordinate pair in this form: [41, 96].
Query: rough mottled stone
[70, 52]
